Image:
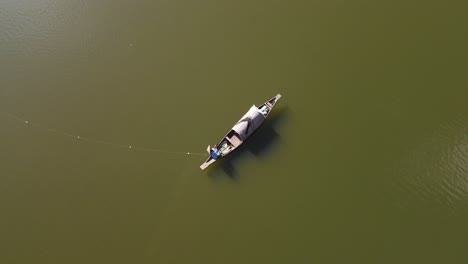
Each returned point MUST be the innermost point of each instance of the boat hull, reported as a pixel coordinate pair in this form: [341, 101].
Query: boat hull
[241, 131]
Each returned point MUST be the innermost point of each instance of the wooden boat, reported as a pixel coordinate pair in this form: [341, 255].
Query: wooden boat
[240, 131]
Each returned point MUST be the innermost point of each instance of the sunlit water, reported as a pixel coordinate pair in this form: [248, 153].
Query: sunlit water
[363, 160]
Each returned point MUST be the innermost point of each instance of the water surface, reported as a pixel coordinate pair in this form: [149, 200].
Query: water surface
[364, 159]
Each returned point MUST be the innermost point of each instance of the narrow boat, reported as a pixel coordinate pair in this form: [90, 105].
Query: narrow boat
[240, 131]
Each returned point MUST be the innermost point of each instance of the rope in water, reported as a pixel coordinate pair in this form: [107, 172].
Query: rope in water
[91, 140]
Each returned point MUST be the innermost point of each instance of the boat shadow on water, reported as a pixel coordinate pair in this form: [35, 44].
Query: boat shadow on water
[260, 144]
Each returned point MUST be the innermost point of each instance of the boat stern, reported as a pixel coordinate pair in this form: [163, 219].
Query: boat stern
[207, 163]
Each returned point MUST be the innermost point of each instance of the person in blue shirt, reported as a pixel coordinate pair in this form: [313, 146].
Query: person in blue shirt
[213, 153]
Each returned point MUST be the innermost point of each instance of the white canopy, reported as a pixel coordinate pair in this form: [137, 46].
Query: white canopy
[249, 123]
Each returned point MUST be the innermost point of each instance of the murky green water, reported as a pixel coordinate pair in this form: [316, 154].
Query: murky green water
[364, 160]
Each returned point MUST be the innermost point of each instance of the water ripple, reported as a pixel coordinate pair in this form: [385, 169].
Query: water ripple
[436, 173]
[43, 27]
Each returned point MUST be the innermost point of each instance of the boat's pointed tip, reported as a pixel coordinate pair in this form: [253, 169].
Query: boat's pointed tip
[207, 163]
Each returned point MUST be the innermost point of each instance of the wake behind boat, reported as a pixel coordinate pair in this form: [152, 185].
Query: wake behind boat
[245, 127]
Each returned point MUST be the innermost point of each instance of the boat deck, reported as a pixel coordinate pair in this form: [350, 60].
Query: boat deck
[234, 140]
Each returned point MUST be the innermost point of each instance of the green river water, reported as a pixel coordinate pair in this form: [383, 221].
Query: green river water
[363, 160]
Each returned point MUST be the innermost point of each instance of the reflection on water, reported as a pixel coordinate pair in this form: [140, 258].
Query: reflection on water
[48, 28]
[436, 173]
